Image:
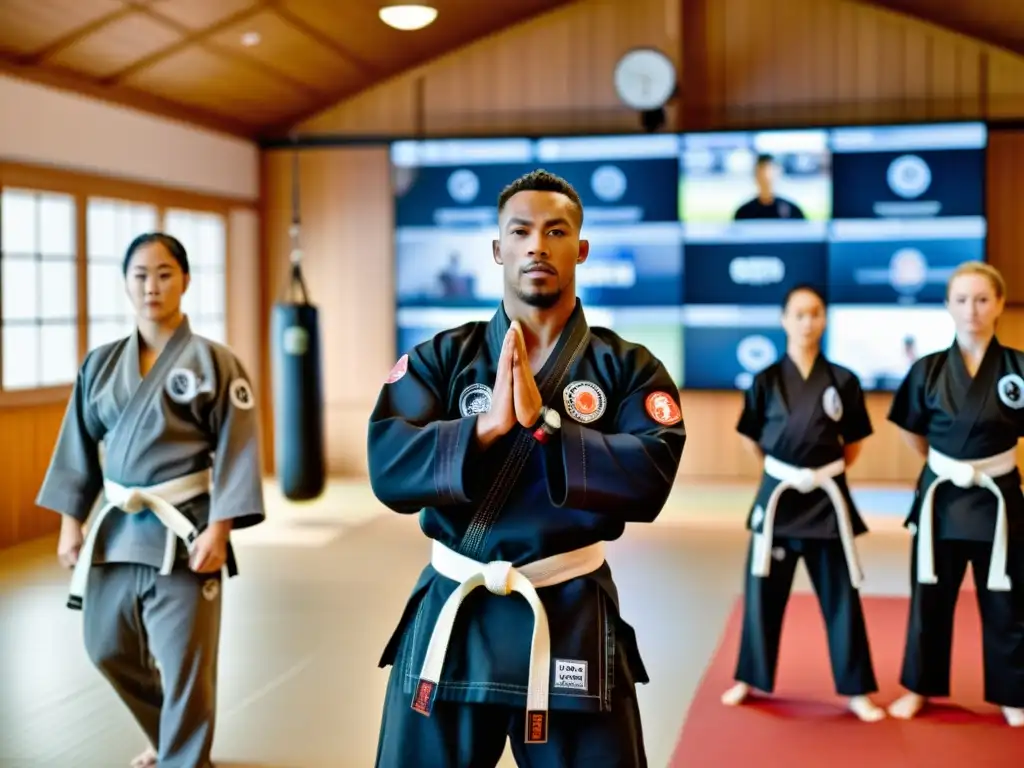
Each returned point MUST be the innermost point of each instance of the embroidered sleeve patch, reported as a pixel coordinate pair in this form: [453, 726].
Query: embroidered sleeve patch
[399, 369]
[663, 409]
[241, 394]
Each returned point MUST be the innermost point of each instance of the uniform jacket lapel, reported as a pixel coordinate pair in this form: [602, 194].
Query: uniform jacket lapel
[978, 392]
[142, 388]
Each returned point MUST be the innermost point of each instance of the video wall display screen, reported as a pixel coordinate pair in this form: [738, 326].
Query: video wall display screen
[696, 238]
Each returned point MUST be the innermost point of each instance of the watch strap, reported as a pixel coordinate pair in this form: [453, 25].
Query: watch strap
[541, 431]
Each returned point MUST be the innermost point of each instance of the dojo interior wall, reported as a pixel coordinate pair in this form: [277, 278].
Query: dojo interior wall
[742, 62]
[54, 140]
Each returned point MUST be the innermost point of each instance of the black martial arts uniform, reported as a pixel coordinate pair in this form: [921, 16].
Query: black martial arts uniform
[972, 427]
[803, 425]
[613, 461]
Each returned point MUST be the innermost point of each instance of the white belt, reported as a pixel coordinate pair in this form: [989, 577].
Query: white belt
[805, 480]
[965, 474]
[161, 500]
[501, 578]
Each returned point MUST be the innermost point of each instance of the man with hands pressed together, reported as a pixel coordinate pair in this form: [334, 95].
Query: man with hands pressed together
[524, 443]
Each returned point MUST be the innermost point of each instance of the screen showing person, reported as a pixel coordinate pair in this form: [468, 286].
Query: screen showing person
[445, 267]
[880, 343]
[914, 171]
[723, 347]
[745, 176]
[900, 261]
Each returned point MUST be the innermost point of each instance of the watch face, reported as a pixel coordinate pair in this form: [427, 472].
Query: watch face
[553, 419]
[645, 79]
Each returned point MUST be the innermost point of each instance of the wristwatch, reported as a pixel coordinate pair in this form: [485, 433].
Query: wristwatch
[549, 424]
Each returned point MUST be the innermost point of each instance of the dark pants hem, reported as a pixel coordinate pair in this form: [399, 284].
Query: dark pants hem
[764, 608]
[929, 639]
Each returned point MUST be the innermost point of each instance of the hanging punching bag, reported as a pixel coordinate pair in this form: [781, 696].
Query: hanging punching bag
[298, 389]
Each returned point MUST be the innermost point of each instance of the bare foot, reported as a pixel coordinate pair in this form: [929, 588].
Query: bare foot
[736, 695]
[1014, 716]
[907, 706]
[864, 708]
[146, 760]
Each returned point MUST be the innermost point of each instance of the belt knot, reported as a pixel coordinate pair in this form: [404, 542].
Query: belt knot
[130, 500]
[965, 476]
[496, 577]
[805, 481]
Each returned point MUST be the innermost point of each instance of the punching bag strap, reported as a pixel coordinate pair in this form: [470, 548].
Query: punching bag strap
[295, 280]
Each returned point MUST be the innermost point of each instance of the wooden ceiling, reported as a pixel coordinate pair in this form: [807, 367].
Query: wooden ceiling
[187, 58]
[997, 22]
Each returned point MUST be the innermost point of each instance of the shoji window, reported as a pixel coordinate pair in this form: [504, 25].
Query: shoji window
[204, 236]
[38, 269]
[110, 228]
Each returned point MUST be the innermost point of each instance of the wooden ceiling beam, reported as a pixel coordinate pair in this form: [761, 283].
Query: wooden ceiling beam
[934, 15]
[201, 41]
[126, 97]
[325, 40]
[191, 37]
[37, 57]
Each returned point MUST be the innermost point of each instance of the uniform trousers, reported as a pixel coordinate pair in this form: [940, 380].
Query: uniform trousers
[927, 655]
[462, 735]
[765, 601]
[133, 617]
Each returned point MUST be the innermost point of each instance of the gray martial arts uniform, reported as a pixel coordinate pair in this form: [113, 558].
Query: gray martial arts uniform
[193, 415]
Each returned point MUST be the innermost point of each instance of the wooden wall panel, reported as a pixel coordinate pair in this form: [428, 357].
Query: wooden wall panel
[1004, 192]
[742, 62]
[26, 440]
[832, 61]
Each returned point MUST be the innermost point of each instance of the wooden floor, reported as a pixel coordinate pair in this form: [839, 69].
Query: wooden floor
[321, 589]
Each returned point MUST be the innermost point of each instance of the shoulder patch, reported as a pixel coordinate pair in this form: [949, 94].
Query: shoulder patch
[181, 385]
[399, 370]
[832, 403]
[475, 399]
[584, 401]
[241, 394]
[1011, 391]
[662, 408]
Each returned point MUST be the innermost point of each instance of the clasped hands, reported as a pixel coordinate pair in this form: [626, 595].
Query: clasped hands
[515, 398]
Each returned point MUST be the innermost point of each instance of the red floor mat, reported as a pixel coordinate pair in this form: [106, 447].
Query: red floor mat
[805, 725]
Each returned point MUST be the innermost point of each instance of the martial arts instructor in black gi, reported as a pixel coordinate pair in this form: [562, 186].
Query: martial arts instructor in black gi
[525, 443]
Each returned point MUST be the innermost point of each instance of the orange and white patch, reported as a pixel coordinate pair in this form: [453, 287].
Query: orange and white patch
[399, 370]
[663, 409]
[584, 401]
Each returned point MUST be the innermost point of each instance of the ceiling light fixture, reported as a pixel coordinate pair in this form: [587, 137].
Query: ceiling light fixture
[249, 39]
[408, 17]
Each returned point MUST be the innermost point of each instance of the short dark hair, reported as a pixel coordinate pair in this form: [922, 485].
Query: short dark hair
[764, 159]
[803, 287]
[540, 181]
[172, 244]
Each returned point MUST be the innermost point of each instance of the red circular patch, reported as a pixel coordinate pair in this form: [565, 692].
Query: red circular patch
[399, 369]
[586, 403]
[663, 409]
